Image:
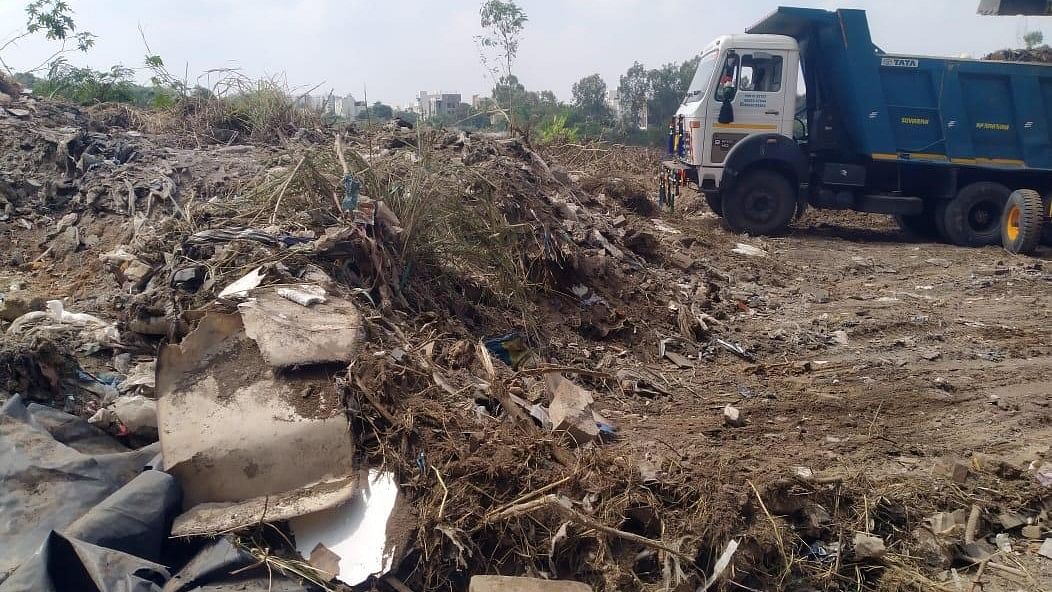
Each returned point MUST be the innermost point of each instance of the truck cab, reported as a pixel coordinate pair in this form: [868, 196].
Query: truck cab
[805, 110]
[751, 80]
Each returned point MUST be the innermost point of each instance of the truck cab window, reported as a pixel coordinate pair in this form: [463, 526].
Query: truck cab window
[728, 76]
[761, 72]
[700, 84]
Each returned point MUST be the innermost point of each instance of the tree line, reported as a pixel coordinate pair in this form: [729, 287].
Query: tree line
[640, 96]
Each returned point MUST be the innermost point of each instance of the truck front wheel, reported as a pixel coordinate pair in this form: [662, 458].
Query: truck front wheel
[973, 218]
[762, 202]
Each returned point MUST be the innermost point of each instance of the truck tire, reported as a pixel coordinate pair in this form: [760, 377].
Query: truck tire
[715, 201]
[762, 202]
[1021, 224]
[973, 218]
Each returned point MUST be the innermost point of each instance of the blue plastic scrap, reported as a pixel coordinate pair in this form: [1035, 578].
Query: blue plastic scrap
[351, 192]
[510, 349]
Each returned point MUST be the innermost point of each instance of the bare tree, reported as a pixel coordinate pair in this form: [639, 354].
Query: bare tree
[54, 19]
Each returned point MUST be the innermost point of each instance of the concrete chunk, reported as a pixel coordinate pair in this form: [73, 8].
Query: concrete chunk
[571, 410]
[869, 547]
[506, 584]
[953, 469]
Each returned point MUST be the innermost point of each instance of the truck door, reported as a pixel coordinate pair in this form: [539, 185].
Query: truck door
[758, 80]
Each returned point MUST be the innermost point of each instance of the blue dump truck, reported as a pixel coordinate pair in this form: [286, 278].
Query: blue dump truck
[804, 109]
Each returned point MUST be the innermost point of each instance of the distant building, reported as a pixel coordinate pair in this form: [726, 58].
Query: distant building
[434, 104]
[481, 103]
[613, 101]
[347, 107]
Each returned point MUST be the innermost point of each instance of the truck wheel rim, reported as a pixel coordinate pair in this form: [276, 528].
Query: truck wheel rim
[1012, 223]
[983, 218]
[759, 206]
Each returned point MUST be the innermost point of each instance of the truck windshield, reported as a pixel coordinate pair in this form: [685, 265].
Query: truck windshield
[700, 84]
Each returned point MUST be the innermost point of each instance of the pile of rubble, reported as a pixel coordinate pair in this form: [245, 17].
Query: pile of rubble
[365, 359]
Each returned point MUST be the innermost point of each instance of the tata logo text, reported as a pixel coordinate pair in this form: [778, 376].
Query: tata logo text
[900, 62]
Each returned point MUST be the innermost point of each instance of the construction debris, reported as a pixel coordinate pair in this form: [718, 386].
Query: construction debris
[380, 355]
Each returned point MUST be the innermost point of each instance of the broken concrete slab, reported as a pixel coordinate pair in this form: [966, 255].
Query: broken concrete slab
[1046, 549]
[571, 410]
[230, 431]
[292, 334]
[510, 584]
[949, 524]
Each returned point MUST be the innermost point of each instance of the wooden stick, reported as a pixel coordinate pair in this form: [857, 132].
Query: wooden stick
[551, 501]
[972, 525]
[284, 186]
[527, 496]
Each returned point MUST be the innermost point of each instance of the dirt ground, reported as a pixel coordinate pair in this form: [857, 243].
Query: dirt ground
[948, 351]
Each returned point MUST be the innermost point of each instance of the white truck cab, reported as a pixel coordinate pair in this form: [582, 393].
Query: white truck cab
[744, 85]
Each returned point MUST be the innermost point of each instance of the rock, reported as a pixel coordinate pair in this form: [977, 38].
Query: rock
[619, 221]
[1032, 532]
[571, 410]
[66, 242]
[868, 547]
[129, 416]
[1046, 549]
[953, 469]
[1010, 520]
[732, 417]
[137, 272]
[935, 551]
[840, 337]
[930, 354]
[16, 304]
[682, 261]
[19, 113]
[748, 250]
[938, 261]
[507, 584]
[978, 551]
[643, 244]
[189, 278]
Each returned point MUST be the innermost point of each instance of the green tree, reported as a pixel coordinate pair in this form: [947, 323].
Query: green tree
[1033, 39]
[632, 92]
[54, 19]
[666, 92]
[589, 98]
[378, 110]
[503, 23]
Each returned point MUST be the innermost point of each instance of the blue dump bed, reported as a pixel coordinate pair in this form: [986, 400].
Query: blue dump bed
[916, 108]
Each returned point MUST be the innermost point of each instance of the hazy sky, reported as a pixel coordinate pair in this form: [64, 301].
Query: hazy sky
[400, 47]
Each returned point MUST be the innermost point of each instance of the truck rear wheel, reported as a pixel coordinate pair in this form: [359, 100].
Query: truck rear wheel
[1021, 224]
[973, 218]
[763, 202]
